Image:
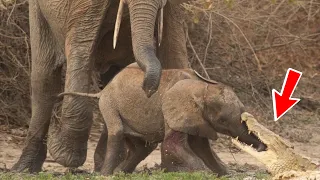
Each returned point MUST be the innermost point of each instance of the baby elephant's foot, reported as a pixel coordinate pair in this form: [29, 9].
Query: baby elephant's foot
[172, 163]
[177, 155]
[201, 147]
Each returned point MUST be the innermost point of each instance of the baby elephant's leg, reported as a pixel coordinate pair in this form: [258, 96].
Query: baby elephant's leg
[201, 147]
[138, 150]
[176, 154]
[101, 150]
[115, 153]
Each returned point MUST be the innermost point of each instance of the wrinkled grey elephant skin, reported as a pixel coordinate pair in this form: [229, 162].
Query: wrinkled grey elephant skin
[183, 114]
[79, 33]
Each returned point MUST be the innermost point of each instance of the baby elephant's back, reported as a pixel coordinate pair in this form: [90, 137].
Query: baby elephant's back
[143, 115]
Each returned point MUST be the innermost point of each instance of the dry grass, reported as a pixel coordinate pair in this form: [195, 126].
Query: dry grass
[246, 44]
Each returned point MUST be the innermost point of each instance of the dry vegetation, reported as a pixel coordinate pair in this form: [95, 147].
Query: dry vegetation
[246, 44]
[249, 45]
[14, 63]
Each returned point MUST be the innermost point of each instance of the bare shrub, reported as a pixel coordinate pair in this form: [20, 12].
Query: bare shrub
[14, 63]
[249, 45]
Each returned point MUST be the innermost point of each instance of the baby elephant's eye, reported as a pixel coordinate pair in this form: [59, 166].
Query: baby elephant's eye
[223, 121]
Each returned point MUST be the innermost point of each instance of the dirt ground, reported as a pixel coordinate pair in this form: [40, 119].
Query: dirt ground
[12, 141]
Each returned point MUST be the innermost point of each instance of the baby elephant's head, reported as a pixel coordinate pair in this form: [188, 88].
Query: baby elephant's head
[223, 109]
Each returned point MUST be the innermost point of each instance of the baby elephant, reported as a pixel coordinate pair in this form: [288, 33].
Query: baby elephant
[183, 114]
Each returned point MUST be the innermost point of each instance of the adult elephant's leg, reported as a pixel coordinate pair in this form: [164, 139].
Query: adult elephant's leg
[173, 49]
[101, 150]
[45, 84]
[201, 148]
[68, 142]
[176, 154]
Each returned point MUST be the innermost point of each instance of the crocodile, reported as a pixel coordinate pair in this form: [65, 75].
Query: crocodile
[280, 158]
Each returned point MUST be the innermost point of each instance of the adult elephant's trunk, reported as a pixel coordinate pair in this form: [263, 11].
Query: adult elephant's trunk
[143, 16]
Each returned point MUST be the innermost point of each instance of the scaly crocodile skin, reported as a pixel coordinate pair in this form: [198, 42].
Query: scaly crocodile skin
[280, 158]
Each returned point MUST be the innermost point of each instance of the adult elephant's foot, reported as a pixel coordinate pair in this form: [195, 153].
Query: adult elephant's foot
[32, 158]
[68, 147]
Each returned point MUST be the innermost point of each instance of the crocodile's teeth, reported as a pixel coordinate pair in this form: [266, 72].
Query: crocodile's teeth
[237, 138]
[249, 132]
[251, 145]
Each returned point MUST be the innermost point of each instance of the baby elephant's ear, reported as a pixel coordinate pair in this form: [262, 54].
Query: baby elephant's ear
[182, 108]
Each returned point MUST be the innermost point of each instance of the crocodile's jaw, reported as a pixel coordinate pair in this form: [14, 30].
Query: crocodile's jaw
[279, 155]
[267, 157]
[266, 136]
[275, 162]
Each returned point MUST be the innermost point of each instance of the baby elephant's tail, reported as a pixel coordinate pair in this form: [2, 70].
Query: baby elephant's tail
[97, 95]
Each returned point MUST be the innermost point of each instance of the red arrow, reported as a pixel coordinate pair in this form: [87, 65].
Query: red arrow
[282, 102]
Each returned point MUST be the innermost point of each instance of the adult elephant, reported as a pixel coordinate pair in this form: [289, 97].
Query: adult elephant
[79, 33]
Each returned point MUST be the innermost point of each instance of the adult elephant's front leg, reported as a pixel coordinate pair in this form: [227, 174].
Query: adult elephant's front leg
[173, 48]
[45, 84]
[68, 143]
